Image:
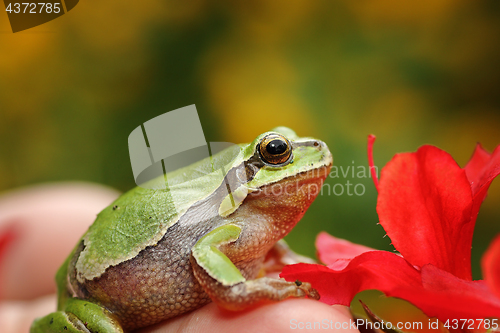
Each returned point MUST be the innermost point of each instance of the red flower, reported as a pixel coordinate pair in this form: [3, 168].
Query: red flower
[428, 206]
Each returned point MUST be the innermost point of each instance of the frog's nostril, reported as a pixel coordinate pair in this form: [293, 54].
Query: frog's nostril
[316, 143]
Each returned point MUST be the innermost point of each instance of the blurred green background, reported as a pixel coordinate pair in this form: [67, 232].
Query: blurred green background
[72, 90]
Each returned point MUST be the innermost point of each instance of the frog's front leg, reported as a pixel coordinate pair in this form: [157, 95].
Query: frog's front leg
[79, 316]
[225, 284]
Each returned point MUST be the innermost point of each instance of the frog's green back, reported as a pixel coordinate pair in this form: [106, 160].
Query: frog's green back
[142, 216]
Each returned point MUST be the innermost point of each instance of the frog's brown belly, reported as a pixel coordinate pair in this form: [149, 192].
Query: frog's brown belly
[155, 285]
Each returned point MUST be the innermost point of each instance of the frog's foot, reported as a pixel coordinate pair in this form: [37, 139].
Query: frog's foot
[79, 317]
[225, 284]
[248, 293]
[280, 256]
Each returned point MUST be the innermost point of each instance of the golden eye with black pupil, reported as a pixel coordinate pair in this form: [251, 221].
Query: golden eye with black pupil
[275, 149]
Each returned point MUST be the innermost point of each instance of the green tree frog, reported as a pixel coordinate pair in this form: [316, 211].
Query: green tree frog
[212, 235]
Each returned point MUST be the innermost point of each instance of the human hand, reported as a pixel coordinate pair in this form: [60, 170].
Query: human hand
[40, 225]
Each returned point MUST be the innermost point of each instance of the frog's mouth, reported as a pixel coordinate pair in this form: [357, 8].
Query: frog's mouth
[284, 202]
[301, 188]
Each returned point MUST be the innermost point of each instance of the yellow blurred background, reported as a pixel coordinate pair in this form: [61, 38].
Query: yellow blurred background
[412, 73]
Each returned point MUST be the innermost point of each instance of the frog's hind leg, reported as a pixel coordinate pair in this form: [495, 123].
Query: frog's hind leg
[79, 317]
[225, 284]
[75, 315]
[58, 322]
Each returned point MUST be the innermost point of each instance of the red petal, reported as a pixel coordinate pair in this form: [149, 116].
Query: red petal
[425, 205]
[447, 297]
[491, 266]
[481, 170]
[474, 168]
[381, 270]
[332, 249]
[371, 164]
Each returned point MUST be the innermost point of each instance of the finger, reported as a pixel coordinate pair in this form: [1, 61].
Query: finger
[46, 222]
[17, 316]
[273, 318]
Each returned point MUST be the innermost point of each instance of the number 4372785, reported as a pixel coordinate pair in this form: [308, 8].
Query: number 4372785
[34, 8]
[471, 324]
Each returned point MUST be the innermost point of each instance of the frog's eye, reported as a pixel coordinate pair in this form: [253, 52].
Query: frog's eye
[275, 149]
